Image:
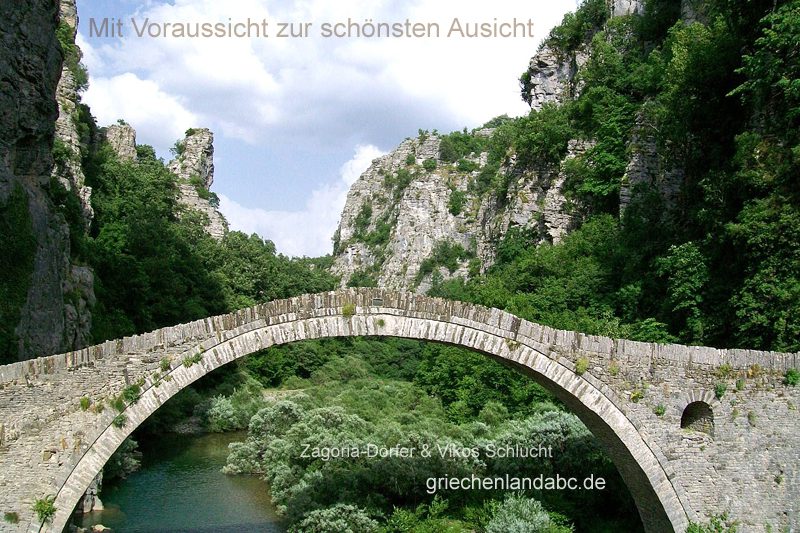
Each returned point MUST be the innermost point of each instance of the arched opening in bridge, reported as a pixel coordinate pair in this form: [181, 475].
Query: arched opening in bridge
[361, 374]
[698, 416]
[213, 343]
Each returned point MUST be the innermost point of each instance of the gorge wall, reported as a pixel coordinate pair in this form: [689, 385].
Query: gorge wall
[417, 216]
[47, 133]
[412, 207]
[46, 295]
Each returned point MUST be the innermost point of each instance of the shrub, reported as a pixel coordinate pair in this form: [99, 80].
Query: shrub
[190, 360]
[792, 377]
[446, 254]
[410, 159]
[362, 278]
[740, 384]
[85, 403]
[613, 368]
[118, 403]
[719, 390]
[362, 220]
[340, 517]
[724, 371]
[119, 421]
[518, 514]
[429, 165]
[459, 145]
[637, 395]
[348, 310]
[456, 203]
[581, 366]
[165, 364]
[45, 508]
[465, 165]
[11, 517]
[132, 393]
[380, 322]
[660, 410]
[717, 524]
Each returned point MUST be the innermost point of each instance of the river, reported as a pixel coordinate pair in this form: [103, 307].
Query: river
[180, 488]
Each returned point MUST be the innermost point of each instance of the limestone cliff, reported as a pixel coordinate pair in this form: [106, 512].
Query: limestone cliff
[194, 167]
[46, 300]
[68, 169]
[122, 139]
[413, 216]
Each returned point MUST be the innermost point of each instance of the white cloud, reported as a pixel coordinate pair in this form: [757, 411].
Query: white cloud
[249, 88]
[287, 99]
[307, 232]
[159, 118]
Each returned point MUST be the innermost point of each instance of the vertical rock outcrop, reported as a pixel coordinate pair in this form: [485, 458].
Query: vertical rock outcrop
[194, 167]
[122, 139]
[49, 315]
[551, 77]
[68, 169]
[619, 8]
[648, 168]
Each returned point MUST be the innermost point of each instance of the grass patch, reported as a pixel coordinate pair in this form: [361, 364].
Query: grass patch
[349, 310]
[720, 389]
[45, 508]
[119, 421]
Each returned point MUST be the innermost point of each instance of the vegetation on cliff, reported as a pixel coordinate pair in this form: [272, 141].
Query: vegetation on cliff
[718, 266]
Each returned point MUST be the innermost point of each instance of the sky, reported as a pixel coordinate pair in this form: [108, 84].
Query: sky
[296, 120]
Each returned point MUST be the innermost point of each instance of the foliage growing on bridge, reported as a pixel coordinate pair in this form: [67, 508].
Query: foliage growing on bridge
[44, 508]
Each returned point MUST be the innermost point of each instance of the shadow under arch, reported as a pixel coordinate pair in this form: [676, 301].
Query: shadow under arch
[656, 499]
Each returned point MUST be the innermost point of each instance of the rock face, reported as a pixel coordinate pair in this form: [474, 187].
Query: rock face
[398, 214]
[550, 77]
[647, 169]
[400, 227]
[619, 8]
[54, 314]
[194, 167]
[68, 169]
[122, 139]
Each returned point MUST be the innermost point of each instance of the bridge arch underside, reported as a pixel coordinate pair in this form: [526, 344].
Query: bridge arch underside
[654, 494]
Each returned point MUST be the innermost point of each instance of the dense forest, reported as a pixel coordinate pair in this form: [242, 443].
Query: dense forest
[719, 267]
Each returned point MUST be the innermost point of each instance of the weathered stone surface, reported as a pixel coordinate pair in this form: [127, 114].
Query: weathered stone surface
[194, 168]
[550, 77]
[749, 467]
[421, 216]
[648, 169]
[619, 8]
[122, 139]
[70, 171]
[30, 66]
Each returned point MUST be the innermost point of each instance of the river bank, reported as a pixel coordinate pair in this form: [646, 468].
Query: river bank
[180, 487]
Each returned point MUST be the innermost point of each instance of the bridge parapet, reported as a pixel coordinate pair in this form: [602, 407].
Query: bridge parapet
[680, 462]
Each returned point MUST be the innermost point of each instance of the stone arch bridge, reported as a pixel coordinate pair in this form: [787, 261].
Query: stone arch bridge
[737, 452]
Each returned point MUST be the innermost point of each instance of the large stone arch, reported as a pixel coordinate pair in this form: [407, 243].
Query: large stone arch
[530, 348]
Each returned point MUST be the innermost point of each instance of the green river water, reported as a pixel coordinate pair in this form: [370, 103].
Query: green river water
[180, 488]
